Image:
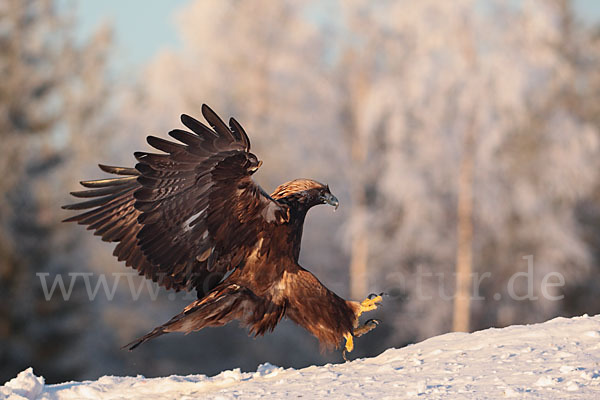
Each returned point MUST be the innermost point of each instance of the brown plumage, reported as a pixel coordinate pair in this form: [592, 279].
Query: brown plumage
[192, 218]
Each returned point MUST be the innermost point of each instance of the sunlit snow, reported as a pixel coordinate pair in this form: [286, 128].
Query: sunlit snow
[554, 360]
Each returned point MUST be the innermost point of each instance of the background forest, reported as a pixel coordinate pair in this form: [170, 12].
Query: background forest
[459, 136]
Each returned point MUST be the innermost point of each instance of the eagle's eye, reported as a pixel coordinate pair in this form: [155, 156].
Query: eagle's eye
[327, 198]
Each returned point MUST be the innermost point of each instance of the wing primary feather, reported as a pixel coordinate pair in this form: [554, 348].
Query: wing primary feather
[98, 183]
[113, 232]
[237, 129]
[196, 126]
[118, 170]
[162, 162]
[187, 137]
[106, 219]
[164, 145]
[216, 122]
[92, 215]
[91, 203]
[93, 192]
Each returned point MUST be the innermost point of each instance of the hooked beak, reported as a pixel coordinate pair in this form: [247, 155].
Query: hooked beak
[254, 169]
[330, 199]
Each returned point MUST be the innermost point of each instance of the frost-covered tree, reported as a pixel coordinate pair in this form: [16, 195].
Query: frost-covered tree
[51, 95]
[450, 69]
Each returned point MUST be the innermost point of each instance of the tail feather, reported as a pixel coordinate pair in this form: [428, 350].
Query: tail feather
[158, 331]
[223, 304]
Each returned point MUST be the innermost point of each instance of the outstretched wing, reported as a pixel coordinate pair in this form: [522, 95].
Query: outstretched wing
[113, 217]
[190, 214]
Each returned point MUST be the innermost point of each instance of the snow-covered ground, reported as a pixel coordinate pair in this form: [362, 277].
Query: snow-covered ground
[555, 360]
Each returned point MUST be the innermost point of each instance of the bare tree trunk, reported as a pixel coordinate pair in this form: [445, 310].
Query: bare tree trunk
[464, 252]
[357, 86]
[359, 255]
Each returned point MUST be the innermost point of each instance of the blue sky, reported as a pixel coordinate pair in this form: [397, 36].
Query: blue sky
[142, 27]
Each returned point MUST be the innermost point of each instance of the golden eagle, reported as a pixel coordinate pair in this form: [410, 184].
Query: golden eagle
[192, 218]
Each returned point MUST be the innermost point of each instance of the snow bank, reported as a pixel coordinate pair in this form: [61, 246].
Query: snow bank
[554, 360]
[25, 386]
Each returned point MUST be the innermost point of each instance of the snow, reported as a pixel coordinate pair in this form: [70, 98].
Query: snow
[554, 360]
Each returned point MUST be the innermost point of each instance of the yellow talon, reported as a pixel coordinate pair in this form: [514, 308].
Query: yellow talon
[365, 328]
[369, 304]
[349, 342]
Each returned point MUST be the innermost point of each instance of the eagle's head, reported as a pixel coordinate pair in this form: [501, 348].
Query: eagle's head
[303, 194]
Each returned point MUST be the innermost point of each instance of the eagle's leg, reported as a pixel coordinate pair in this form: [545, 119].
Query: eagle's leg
[370, 303]
[365, 328]
[349, 345]
[349, 342]
[357, 332]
